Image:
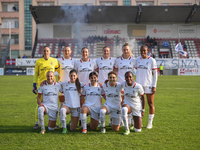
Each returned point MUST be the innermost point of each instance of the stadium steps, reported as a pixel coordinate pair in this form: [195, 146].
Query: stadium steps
[99, 50]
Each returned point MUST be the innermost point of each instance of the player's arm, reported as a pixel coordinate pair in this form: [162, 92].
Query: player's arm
[82, 100]
[104, 96]
[154, 82]
[35, 78]
[39, 100]
[43, 83]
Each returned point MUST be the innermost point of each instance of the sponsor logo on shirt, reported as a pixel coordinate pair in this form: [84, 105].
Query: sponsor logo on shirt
[105, 68]
[51, 94]
[71, 89]
[142, 67]
[67, 68]
[112, 95]
[85, 70]
[129, 95]
[47, 69]
[126, 67]
[93, 94]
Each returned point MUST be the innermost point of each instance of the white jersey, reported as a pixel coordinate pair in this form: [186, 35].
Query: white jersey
[104, 66]
[84, 69]
[123, 65]
[113, 95]
[50, 94]
[93, 96]
[72, 97]
[66, 65]
[144, 71]
[132, 95]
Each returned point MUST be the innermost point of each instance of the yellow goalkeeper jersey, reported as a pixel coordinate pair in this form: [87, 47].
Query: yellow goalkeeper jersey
[42, 66]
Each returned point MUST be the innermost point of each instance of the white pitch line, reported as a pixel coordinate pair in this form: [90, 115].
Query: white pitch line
[181, 88]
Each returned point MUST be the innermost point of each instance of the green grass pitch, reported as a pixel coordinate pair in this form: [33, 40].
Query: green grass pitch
[176, 124]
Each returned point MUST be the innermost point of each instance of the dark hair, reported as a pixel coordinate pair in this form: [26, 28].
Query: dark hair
[67, 46]
[93, 73]
[105, 47]
[77, 82]
[111, 72]
[144, 47]
[128, 72]
[84, 48]
[45, 47]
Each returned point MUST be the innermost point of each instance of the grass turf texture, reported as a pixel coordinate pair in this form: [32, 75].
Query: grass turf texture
[176, 122]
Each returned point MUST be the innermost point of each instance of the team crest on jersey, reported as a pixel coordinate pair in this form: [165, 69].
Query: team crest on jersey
[147, 63]
[72, 63]
[100, 63]
[130, 63]
[51, 63]
[90, 65]
[111, 64]
[117, 90]
[98, 89]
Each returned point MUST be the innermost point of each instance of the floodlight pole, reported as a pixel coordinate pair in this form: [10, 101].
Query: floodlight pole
[178, 51]
[10, 36]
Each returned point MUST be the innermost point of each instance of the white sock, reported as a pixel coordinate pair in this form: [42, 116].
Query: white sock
[151, 116]
[84, 120]
[125, 118]
[63, 117]
[51, 129]
[59, 111]
[137, 130]
[102, 117]
[129, 119]
[41, 117]
[110, 119]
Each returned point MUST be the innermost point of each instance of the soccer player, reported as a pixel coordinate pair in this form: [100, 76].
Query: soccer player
[84, 66]
[93, 92]
[112, 105]
[134, 102]
[122, 65]
[71, 90]
[50, 93]
[104, 66]
[66, 65]
[147, 77]
[42, 66]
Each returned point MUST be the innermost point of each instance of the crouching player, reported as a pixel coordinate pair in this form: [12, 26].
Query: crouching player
[112, 105]
[134, 102]
[93, 92]
[50, 93]
[71, 90]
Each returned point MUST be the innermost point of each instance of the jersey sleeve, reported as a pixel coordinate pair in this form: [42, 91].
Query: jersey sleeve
[60, 86]
[76, 65]
[97, 66]
[141, 91]
[154, 65]
[102, 91]
[40, 91]
[116, 65]
[83, 93]
[94, 64]
[35, 77]
[134, 63]
[57, 66]
[120, 87]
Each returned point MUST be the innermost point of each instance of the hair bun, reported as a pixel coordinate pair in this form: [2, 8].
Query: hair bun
[126, 43]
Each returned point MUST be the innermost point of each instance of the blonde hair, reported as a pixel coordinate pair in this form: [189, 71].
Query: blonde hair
[126, 44]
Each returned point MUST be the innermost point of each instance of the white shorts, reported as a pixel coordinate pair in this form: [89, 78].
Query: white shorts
[52, 113]
[147, 89]
[115, 114]
[93, 114]
[75, 112]
[135, 112]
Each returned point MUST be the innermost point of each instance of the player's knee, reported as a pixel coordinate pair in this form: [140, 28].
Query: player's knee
[51, 129]
[102, 112]
[137, 130]
[41, 109]
[63, 111]
[124, 110]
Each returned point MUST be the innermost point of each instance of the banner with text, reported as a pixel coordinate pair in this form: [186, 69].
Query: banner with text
[114, 30]
[25, 62]
[187, 31]
[188, 71]
[159, 31]
[89, 30]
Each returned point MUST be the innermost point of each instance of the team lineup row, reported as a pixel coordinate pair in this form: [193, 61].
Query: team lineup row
[146, 77]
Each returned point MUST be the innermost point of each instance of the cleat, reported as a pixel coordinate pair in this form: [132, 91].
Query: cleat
[99, 125]
[149, 126]
[132, 128]
[110, 125]
[84, 131]
[103, 130]
[42, 131]
[36, 126]
[64, 131]
[127, 132]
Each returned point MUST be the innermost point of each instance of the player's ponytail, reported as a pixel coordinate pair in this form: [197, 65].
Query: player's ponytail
[77, 82]
[106, 81]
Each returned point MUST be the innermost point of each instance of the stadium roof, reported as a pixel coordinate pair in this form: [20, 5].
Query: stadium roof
[116, 14]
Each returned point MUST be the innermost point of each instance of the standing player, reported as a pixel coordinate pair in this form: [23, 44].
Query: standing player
[104, 66]
[66, 65]
[71, 90]
[50, 93]
[84, 66]
[147, 77]
[42, 66]
[134, 102]
[112, 105]
[123, 64]
[93, 92]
